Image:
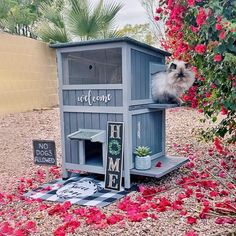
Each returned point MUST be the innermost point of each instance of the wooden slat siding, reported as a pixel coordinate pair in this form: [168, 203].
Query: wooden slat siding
[72, 98]
[95, 121]
[119, 98]
[88, 120]
[147, 131]
[134, 133]
[67, 141]
[140, 78]
[143, 81]
[80, 120]
[158, 131]
[147, 79]
[103, 121]
[119, 117]
[151, 131]
[65, 97]
[133, 67]
[111, 117]
[138, 81]
[75, 121]
[74, 143]
[139, 129]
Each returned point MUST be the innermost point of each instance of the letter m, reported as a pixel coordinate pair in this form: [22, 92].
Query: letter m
[114, 166]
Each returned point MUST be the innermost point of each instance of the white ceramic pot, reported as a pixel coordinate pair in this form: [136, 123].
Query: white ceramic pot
[143, 163]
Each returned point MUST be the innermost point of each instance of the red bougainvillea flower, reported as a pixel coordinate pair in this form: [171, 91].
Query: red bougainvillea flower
[201, 17]
[225, 220]
[191, 3]
[194, 29]
[31, 226]
[219, 19]
[114, 218]
[218, 26]
[6, 229]
[217, 58]
[200, 48]
[158, 165]
[95, 216]
[224, 111]
[222, 35]
[156, 18]
[213, 86]
[138, 217]
[191, 233]
[191, 220]
[159, 10]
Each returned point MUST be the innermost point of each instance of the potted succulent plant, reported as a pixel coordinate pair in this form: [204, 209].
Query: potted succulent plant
[142, 158]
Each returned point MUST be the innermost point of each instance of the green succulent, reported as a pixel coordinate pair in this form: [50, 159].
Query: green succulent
[142, 151]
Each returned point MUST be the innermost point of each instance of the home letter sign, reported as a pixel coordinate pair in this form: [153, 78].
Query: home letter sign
[115, 132]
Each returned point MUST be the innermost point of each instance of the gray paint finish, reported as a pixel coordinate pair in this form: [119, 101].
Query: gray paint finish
[70, 97]
[75, 121]
[111, 41]
[147, 130]
[140, 73]
[144, 123]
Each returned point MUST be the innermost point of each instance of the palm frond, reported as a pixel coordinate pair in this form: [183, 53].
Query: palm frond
[52, 14]
[52, 34]
[82, 21]
[108, 16]
[112, 34]
[110, 11]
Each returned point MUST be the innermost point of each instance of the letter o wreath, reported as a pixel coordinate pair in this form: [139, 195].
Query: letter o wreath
[114, 147]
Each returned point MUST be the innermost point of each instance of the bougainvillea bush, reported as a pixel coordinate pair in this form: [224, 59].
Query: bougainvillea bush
[202, 32]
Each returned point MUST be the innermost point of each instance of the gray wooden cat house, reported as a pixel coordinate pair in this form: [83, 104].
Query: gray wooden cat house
[109, 80]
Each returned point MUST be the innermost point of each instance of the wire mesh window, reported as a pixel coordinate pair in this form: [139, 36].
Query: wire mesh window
[101, 66]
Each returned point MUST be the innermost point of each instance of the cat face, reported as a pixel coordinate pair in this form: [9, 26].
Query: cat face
[179, 74]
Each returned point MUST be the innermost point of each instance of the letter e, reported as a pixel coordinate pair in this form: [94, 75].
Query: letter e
[113, 181]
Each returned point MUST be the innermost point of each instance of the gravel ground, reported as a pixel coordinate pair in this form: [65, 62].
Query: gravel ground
[16, 161]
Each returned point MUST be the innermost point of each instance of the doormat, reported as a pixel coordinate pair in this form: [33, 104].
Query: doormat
[84, 191]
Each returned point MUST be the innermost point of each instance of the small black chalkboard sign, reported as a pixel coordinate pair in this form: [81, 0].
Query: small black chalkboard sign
[113, 175]
[44, 152]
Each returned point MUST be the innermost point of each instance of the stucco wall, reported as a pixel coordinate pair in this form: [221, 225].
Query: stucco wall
[28, 75]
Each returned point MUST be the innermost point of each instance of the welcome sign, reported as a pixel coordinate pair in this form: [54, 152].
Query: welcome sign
[90, 98]
[113, 176]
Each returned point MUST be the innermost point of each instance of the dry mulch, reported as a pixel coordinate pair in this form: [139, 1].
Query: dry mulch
[17, 173]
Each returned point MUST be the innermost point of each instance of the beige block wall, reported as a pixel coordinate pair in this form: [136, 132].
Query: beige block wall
[28, 74]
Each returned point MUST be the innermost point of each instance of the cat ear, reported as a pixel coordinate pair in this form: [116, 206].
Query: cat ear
[172, 66]
[187, 65]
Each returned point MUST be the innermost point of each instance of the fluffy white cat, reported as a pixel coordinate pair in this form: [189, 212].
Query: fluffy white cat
[169, 85]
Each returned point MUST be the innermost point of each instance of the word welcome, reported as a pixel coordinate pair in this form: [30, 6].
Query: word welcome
[90, 99]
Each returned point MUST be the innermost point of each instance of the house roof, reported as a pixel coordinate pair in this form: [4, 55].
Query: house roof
[112, 40]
